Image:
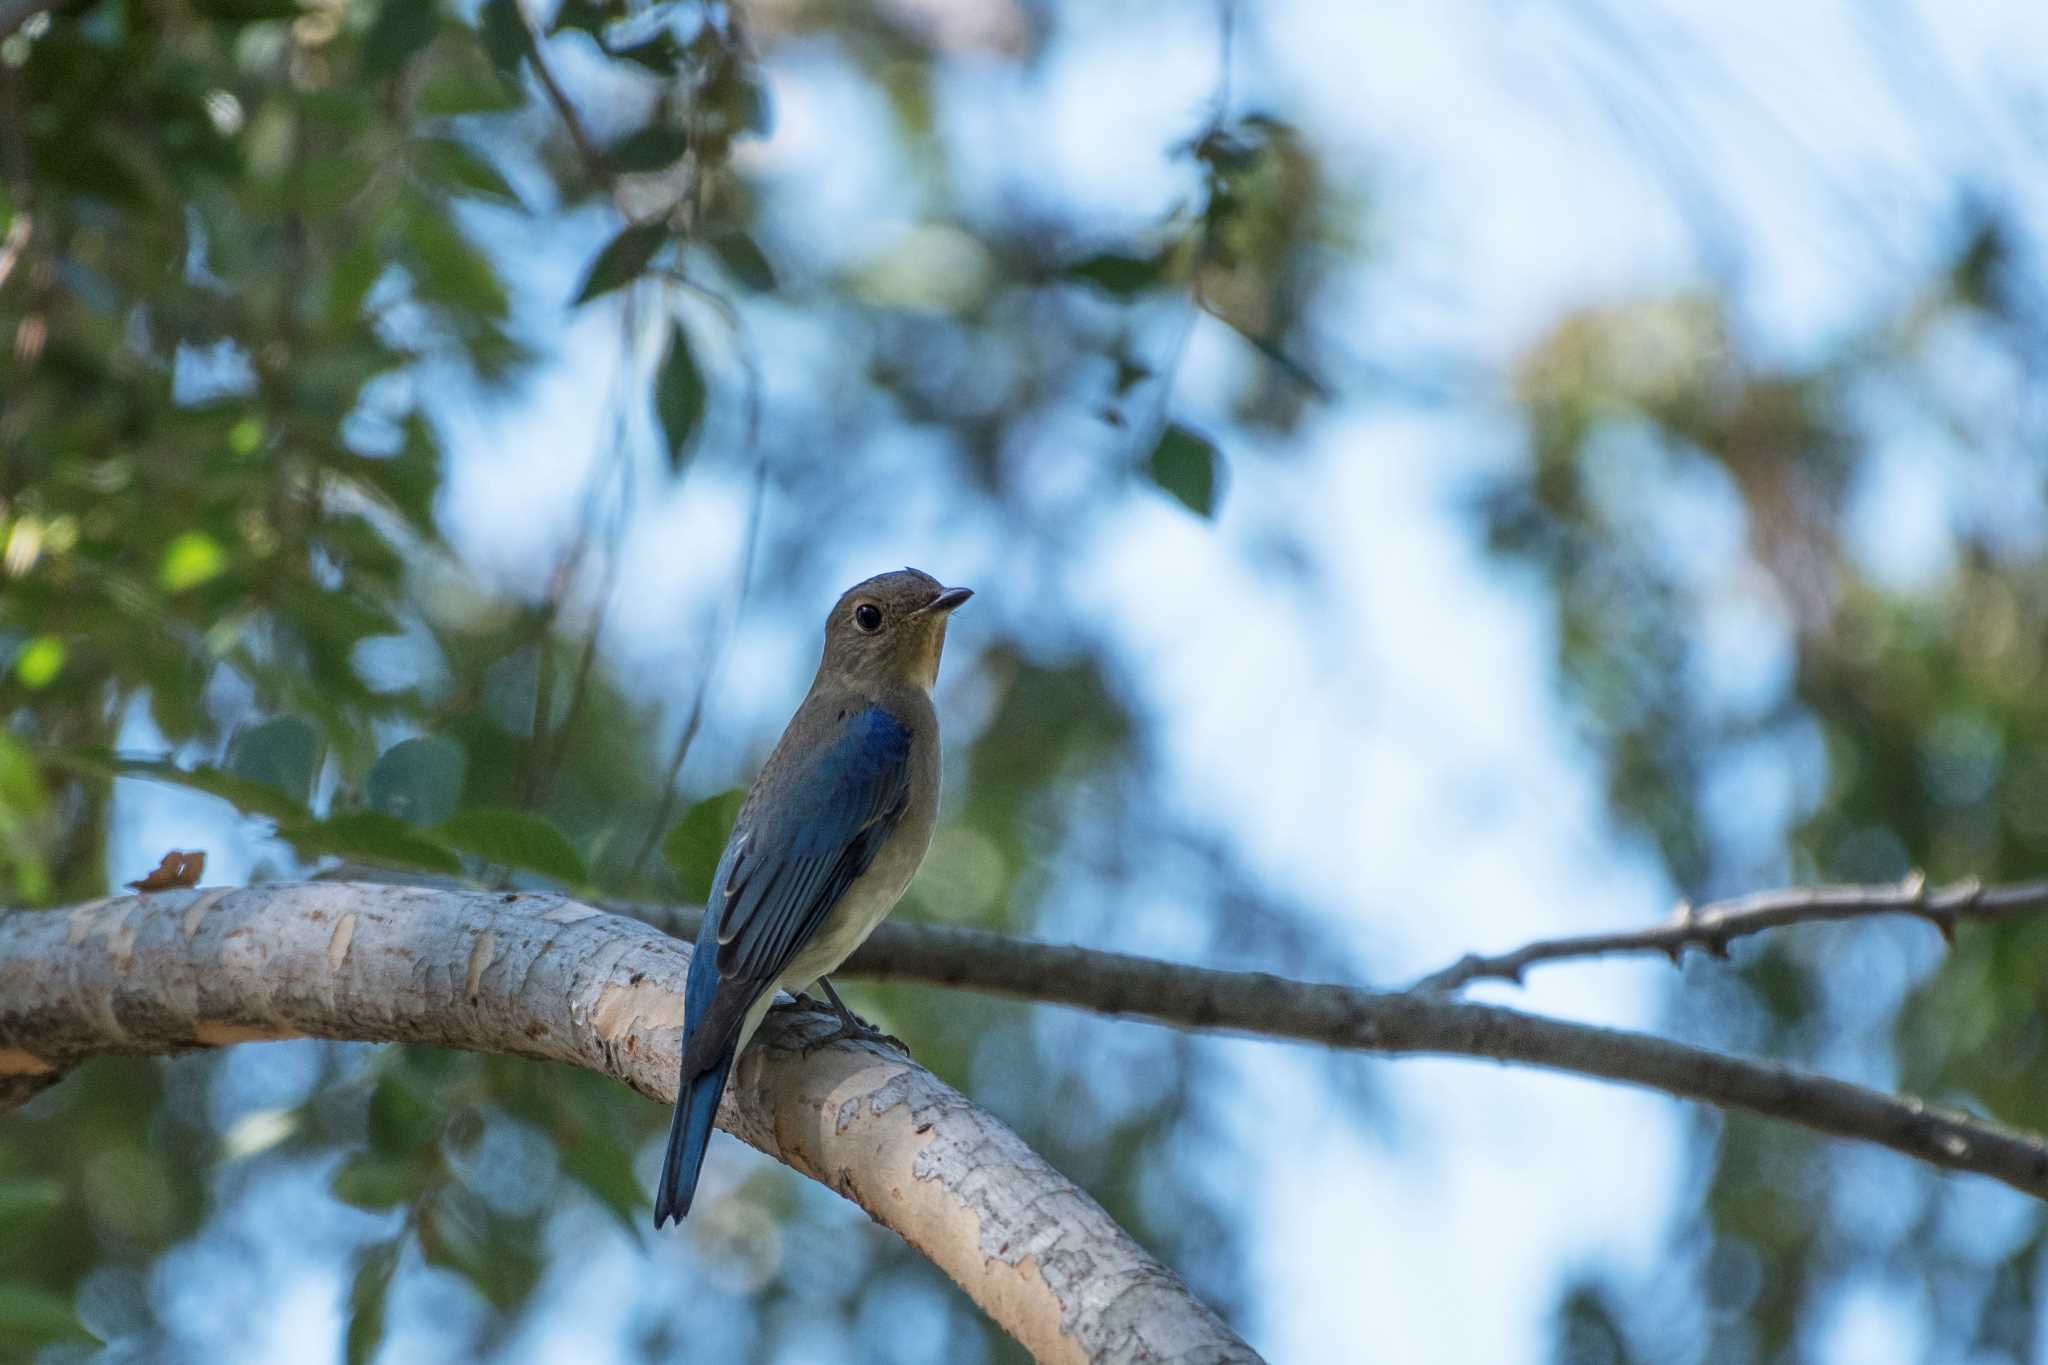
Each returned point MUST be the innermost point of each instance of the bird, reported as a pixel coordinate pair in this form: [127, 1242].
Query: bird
[823, 847]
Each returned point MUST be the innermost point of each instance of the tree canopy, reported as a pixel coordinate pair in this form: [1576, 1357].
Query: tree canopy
[430, 435]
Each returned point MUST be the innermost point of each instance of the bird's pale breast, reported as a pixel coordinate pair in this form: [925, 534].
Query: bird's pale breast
[866, 903]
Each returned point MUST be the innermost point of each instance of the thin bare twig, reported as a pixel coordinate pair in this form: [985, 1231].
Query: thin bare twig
[586, 147]
[619, 471]
[1711, 928]
[658, 825]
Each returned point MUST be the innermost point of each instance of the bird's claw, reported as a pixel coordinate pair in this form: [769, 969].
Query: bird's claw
[851, 1026]
[858, 1030]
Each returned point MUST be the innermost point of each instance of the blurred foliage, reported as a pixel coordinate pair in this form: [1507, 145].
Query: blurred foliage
[1902, 731]
[255, 253]
[249, 247]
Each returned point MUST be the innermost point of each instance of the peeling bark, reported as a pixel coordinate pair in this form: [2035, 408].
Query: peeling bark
[545, 977]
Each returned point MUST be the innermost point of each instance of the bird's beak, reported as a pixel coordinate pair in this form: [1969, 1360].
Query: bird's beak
[947, 599]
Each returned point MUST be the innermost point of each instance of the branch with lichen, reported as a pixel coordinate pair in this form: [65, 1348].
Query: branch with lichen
[549, 978]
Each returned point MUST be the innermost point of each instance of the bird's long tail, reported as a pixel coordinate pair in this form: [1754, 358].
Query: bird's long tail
[689, 1136]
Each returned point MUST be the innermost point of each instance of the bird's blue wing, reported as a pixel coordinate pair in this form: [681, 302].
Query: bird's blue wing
[800, 841]
[793, 853]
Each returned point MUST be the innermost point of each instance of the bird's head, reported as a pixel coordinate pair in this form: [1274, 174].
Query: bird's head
[890, 629]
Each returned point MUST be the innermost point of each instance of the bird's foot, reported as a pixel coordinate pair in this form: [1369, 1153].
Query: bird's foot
[851, 1026]
[858, 1031]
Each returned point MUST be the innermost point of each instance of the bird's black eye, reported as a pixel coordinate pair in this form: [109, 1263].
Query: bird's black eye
[868, 617]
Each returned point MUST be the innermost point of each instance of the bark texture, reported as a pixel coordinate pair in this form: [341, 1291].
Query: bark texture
[546, 977]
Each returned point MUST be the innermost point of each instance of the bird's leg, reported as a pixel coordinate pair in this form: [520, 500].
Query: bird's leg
[853, 1026]
[848, 1020]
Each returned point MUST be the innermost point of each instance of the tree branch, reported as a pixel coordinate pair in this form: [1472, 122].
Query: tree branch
[546, 977]
[1713, 927]
[1424, 1023]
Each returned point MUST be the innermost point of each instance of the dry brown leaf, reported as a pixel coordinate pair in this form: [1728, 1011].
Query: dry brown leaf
[176, 870]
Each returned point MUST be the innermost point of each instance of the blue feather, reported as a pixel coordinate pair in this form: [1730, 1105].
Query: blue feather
[808, 830]
[689, 1133]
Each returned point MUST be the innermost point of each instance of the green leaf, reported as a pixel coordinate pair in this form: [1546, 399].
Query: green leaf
[366, 1301]
[1119, 273]
[283, 753]
[465, 87]
[660, 54]
[401, 29]
[349, 280]
[506, 37]
[448, 268]
[622, 259]
[1186, 464]
[403, 1117]
[649, 149]
[418, 780]
[679, 397]
[252, 798]
[24, 870]
[744, 260]
[189, 560]
[335, 179]
[457, 166]
[584, 15]
[756, 109]
[371, 1181]
[514, 838]
[457, 1232]
[248, 11]
[39, 662]
[605, 1169]
[731, 98]
[371, 837]
[694, 842]
[31, 1313]
[21, 787]
[25, 1196]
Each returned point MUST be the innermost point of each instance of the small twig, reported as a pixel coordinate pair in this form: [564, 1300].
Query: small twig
[1156, 422]
[620, 519]
[658, 824]
[666, 806]
[543, 698]
[1713, 927]
[593, 155]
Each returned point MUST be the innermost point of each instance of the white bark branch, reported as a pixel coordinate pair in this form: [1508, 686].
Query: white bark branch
[545, 977]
